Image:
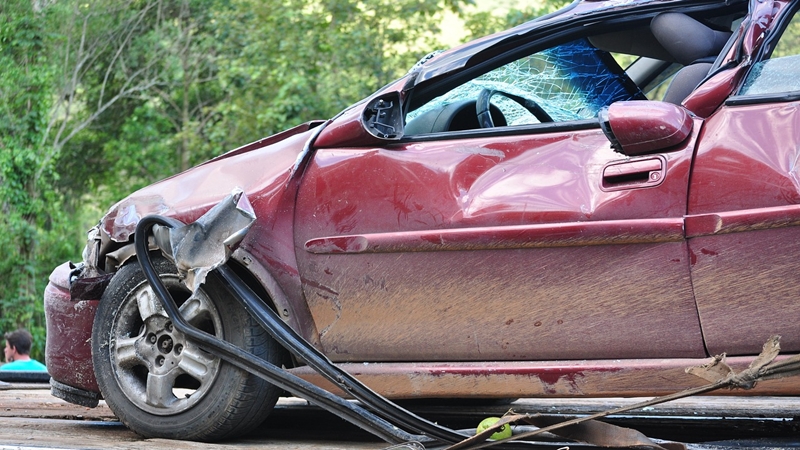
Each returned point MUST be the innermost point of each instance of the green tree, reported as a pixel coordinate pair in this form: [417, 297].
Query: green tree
[482, 23]
[298, 60]
[66, 64]
[111, 61]
[28, 221]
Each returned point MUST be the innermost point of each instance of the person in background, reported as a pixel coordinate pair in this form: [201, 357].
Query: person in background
[17, 352]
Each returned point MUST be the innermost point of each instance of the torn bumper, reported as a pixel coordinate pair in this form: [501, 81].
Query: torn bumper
[68, 351]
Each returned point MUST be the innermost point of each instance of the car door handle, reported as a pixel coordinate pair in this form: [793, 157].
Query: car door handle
[633, 174]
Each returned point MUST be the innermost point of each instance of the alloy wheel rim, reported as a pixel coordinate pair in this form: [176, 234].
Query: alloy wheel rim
[156, 367]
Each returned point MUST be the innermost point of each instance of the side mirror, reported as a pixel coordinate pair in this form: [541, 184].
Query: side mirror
[383, 117]
[373, 122]
[645, 127]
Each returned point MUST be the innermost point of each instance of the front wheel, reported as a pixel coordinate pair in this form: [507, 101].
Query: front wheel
[161, 384]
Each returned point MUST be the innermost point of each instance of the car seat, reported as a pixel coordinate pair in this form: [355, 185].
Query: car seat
[692, 44]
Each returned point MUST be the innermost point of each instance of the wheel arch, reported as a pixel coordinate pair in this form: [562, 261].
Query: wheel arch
[263, 283]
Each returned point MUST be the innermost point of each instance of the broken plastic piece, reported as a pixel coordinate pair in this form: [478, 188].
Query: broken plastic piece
[204, 245]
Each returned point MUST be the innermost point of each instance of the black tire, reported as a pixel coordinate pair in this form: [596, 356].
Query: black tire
[158, 383]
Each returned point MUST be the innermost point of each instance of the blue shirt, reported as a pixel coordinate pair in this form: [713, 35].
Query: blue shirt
[30, 365]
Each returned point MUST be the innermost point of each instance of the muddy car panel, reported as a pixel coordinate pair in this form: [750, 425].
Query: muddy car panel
[454, 262]
[69, 332]
[451, 258]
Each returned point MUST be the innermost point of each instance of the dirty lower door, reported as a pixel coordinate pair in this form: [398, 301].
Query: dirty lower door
[496, 247]
[744, 222]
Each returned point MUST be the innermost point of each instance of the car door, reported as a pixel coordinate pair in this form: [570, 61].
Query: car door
[745, 190]
[523, 241]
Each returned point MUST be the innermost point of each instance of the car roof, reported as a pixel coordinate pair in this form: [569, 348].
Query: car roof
[577, 12]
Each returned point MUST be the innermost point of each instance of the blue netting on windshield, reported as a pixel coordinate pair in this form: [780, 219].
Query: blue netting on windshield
[572, 81]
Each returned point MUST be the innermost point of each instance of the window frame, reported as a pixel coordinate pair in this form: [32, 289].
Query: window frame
[763, 54]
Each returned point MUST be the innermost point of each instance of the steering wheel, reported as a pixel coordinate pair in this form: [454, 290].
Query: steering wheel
[482, 106]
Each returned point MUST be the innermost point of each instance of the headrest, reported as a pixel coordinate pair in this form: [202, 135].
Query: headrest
[687, 39]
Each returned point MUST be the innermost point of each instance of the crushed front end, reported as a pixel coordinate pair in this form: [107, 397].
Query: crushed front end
[74, 290]
[70, 301]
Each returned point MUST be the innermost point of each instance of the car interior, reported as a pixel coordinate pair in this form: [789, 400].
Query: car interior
[665, 60]
[673, 39]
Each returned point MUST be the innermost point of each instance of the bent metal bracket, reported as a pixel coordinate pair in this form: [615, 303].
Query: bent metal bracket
[206, 245]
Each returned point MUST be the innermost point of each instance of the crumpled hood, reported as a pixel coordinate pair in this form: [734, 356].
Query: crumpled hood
[260, 169]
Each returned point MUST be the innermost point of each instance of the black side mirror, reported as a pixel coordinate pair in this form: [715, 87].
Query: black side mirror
[383, 117]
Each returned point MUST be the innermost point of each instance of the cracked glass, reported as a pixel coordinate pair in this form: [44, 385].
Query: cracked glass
[781, 73]
[572, 81]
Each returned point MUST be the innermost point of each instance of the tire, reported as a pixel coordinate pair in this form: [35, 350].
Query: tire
[158, 383]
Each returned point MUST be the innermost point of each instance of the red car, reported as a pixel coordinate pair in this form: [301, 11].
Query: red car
[583, 205]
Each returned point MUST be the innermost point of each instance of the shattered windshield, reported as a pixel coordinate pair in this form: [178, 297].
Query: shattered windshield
[572, 81]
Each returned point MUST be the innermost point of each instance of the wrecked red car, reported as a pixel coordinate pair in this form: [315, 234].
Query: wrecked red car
[583, 205]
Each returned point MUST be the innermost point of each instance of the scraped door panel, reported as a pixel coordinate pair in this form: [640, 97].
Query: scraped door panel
[744, 228]
[497, 248]
[744, 223]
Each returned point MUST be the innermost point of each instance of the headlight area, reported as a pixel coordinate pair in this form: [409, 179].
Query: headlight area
[70, 302]
[69, 336]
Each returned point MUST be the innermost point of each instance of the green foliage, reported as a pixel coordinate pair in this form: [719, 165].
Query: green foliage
[789, 44]
[297, 60]
[31, 218]
[486, 22]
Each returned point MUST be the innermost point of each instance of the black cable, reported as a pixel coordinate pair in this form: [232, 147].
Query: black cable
[378, 424]
[349, 411]
[299, 347]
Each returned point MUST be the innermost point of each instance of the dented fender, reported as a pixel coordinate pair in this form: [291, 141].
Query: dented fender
[264, 169]
[69, 332]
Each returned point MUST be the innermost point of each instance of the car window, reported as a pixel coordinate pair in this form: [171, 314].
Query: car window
[657, 88]
[571, 81]
[781, 72]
